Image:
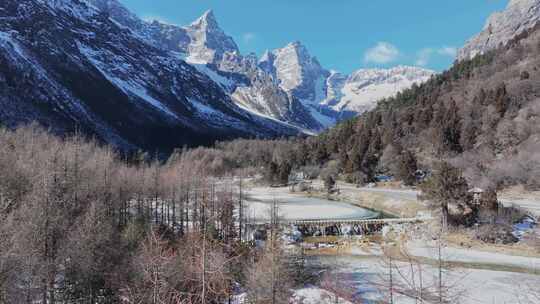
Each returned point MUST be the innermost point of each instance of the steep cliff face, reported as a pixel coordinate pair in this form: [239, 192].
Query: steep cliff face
[208, 41]
[297, 72]
[502, 26]
[68, 65]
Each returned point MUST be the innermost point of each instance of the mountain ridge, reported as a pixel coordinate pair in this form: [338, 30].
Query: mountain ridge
[295, 96]
[88, 73]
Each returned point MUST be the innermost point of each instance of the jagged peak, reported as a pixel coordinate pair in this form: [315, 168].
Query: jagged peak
[502, 26]
[207, 20]
[208, 15]
[295, 44]
[297, 49]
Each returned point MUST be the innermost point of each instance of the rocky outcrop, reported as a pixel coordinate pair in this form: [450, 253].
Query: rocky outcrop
[501, 27]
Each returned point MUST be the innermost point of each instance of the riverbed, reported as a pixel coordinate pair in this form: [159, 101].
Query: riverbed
[493, 283]
[300, 207]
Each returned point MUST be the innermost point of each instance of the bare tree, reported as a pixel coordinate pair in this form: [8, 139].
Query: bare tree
[268, 280]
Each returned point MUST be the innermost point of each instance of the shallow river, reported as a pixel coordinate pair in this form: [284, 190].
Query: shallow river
[298, 207]
[368, 273]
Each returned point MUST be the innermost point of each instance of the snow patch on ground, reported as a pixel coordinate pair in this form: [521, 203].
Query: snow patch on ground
[474, 286]
[428, 250]
[315, 295]
[307, 295]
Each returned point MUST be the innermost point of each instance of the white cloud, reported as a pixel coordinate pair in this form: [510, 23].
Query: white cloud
[383, 52]
[447, 51]
[423, 57]
[248, 37]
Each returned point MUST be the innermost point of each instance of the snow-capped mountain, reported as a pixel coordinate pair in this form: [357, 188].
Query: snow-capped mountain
[302, 77]
[94, 66]
[502, 26]
[208, 41]
[205, 46]
[70, 66]
[286, 84]
[297, 72]
[328, 95]
[359, 92]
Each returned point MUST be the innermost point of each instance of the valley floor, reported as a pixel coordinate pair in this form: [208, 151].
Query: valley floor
[477, 273]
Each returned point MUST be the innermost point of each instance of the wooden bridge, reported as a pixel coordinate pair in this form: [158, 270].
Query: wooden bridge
[340, 226]
[336, 222]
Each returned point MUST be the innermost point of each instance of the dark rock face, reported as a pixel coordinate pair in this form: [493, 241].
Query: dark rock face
[70, 66]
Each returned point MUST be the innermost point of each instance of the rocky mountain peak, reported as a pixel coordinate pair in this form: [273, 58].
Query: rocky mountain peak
[206, 22]
[295, 68]
[208, 41]
[295, 51]
[288, 84]
[501, 27]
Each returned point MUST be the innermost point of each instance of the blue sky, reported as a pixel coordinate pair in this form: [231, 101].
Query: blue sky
[344, 35]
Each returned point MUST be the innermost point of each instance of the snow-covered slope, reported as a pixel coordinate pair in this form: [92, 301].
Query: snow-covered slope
[71, 67]
[331, 96]
[301, 76]
[502, 26]
[130, 76]
[205, 46]
[297, 72]
[286, 84]
[208, 41]
[360, 91]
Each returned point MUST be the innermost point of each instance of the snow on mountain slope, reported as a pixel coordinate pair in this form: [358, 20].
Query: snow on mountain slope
[328, 95]
[205, 45]
[300, 75]
[90, 72]
[208, 41]
[297, 71]
[287, 85]
[502, 26]
[362, 89]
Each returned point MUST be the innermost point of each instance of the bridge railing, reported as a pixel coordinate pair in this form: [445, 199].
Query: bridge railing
[331, 222]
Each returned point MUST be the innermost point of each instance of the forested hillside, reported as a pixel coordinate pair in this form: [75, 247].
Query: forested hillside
[482, 115]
